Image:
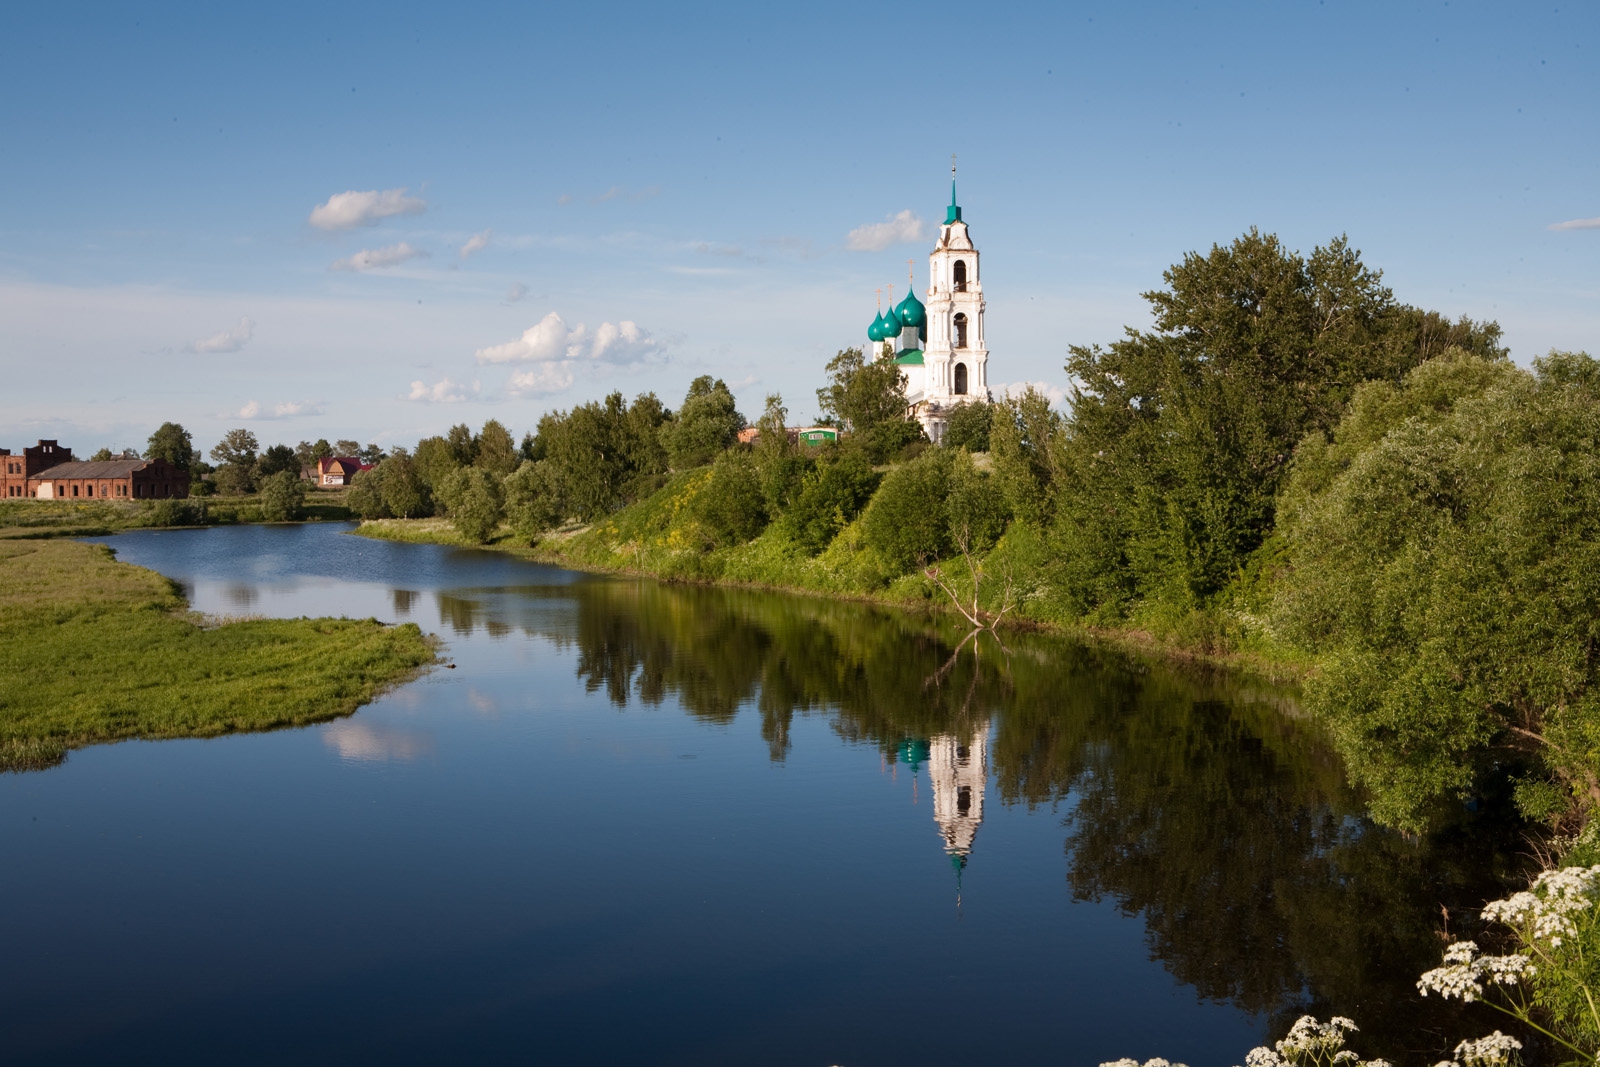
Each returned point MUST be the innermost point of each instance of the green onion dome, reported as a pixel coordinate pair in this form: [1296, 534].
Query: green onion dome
[875, 331]
[911, 312]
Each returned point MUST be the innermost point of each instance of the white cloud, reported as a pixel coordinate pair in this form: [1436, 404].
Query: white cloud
[344, 211]
[226, 341]
[443, 391]
[550, 340]
[476, 243]
[516, 292]
[544, 378]
[1576, 224]
[1056, 394]
[288, 410]
[378, 258]
[368, 742]
[876, 236]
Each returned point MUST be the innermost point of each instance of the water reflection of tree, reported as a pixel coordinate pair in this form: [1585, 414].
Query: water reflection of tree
[1210, 810]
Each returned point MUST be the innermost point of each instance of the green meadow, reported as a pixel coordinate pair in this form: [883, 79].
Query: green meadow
[97, 650]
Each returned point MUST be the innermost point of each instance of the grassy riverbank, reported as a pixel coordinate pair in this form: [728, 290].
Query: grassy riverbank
[30, 518]
[98, 650]
[659, 537]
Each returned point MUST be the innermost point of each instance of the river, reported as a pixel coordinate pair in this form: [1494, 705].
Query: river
[639, 823]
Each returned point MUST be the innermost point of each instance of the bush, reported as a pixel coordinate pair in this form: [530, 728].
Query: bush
[176, 513]
[968, 427]
[1445, 552]
[475, 501]
[974, 507]
[906, 521]
[283, 497]
[732, 508]
[831, 493]
[533, 499]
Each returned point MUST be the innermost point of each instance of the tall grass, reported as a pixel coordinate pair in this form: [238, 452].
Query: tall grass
[94, 650]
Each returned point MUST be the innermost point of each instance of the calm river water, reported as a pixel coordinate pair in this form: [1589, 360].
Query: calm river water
[644, 824]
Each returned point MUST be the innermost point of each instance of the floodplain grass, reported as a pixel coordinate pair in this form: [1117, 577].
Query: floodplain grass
[95, 650]
[30, 517]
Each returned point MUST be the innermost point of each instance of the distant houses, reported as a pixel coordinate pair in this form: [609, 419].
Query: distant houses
[47, 471]
[337, 470]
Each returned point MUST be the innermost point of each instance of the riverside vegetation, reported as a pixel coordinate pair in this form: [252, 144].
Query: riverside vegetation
[107, 651]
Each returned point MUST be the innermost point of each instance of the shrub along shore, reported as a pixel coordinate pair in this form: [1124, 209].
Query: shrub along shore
[104, 651]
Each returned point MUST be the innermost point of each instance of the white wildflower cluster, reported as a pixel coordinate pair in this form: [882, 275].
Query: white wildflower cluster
[1310, 1042]
[1496, 1050]
[1464, 972]
[1125, 1062]
[1545, 909]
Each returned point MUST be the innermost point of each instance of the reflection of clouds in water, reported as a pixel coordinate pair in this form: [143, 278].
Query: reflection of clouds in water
[482, 703]
[365, 741]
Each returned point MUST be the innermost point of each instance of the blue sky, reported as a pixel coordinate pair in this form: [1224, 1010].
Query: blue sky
[679, 188]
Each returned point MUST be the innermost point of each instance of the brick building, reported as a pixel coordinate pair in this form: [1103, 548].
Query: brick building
[48, 472]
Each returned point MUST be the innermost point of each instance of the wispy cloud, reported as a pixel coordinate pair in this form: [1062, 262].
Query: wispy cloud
[378, 258]
[226, 341]
[288, 410]
[476, 243]
[516, 292]
[876, 236]
[1576, 224]
[616, 192]
[552, 340]
[541, 379]
[443, 391]
[708, 248]
[344, 211]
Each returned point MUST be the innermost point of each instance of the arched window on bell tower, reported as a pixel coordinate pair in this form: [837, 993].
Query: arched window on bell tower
[961, 329]
[961, 276]
[961, 379]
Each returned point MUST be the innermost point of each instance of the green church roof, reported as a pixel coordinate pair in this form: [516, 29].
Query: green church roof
[911, 312]
[911, 357]
[953, 214]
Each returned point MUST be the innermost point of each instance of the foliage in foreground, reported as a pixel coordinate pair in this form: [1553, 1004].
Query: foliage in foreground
[109, 653]
[1445, 566]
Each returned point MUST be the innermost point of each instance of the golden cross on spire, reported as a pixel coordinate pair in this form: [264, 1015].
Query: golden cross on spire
[911, 277]
[879, 291]
[952, 166]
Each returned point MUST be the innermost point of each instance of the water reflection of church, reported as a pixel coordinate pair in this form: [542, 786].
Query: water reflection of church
[958, 769]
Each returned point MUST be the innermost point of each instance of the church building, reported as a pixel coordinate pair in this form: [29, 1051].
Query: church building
[939, 345]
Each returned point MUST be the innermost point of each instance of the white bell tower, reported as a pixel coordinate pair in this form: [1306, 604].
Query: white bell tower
[957, 358]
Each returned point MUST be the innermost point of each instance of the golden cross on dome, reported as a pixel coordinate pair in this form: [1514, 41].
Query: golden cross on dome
[879, 291]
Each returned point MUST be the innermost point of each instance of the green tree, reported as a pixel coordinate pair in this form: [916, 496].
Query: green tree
[1025, 439]
[603, 454]
[101, 455]
[707, 423]
[731, 508]
[172, 443]
[1444, 552]
[236, 453]
[283, 497]
[435, 461]
[371, 455]
[347, 448]
[533, 499]
[833, 490]
[974, 508]
[275, 459]
[475, 501]
[968, 426]
[307, 452]
[495, 450]
[463, 445]
[867, 398]
[1181, 437]
[365, 497]
[906, 520]
[405, 494]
